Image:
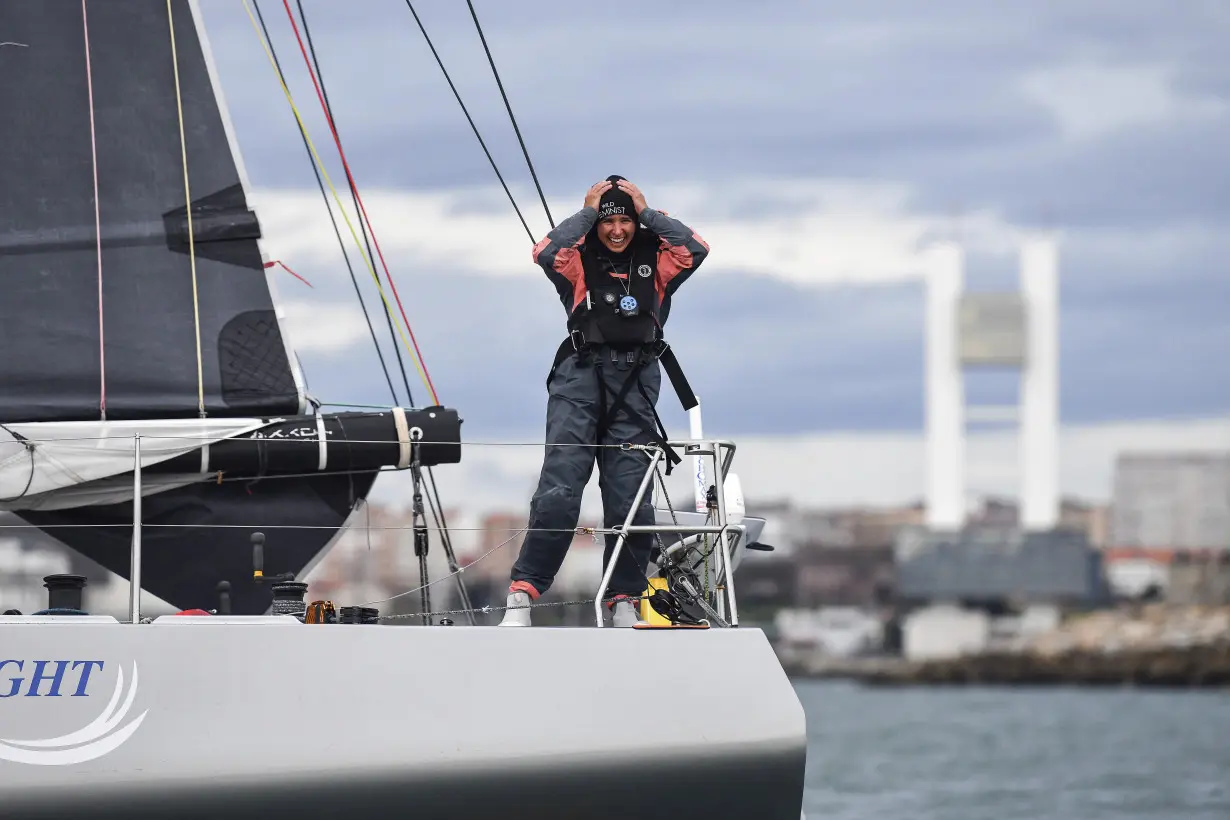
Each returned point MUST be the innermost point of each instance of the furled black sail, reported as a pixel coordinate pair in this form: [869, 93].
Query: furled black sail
[119, 307]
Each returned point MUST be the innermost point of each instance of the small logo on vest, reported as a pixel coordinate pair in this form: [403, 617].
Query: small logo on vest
[610, 298]
[644, 271]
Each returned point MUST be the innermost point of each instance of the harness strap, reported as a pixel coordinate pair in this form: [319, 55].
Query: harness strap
[620, 402]
[575, 345]
[565, 350]
[662, 350]
[680, 382]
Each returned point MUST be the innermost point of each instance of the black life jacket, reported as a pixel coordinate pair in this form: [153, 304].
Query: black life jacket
[606, 316]
[621, 313]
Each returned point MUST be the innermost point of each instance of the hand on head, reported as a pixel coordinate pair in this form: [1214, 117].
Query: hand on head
[638, 199]
[594, 195]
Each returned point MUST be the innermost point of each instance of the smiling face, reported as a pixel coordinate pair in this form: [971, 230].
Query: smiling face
[616, 232]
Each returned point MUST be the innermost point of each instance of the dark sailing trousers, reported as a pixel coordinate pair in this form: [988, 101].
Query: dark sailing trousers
[572, 419]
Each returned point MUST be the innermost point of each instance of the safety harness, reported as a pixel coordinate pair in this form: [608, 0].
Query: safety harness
[619, 321]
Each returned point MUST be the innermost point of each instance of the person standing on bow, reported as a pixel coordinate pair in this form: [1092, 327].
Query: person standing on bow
[615, 264]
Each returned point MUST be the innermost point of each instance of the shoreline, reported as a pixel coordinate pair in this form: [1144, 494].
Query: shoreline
[1196, 667]
[1153, 645]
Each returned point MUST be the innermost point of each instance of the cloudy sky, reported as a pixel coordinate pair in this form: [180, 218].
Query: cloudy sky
[818, 147]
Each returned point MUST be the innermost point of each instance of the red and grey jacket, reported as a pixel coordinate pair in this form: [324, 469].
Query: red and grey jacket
[664, 253]
[594, 290]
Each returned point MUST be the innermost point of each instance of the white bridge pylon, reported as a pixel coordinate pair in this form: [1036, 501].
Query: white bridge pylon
[1016, 330]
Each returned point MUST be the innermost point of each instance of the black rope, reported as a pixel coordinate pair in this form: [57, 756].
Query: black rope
[437, 515]
[355, 199]
[366, 316]
[508, 106]
[470, 119]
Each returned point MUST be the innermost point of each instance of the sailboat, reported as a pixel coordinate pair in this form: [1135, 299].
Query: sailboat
[154, 418]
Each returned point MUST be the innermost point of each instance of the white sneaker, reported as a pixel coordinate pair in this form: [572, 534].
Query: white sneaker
[624, 614]
[520, 616]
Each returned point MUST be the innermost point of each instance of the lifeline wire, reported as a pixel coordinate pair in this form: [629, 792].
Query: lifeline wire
[593, 531]
[102, 355]
[458, 571]
[183, 147]
[333, 220]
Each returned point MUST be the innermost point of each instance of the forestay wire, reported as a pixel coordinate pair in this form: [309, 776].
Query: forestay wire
[313, 66]
[470, 120]
[328, 181]
[508, 107]
[336, 231]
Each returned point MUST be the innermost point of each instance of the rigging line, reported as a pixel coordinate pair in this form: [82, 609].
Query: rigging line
[183, 147]
[437, 518]
[437, 515]
[508, 106]
[354, 195]
[346, 165]
[332, 219]
[328, 181]
[440, 521]
[434, 504]
[470, 119]
[89, 85]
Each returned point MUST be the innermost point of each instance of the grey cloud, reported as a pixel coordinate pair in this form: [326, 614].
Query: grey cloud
[926, 95]
[769, 357]
[888, 91]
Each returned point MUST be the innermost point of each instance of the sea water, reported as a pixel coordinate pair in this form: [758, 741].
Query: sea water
[1005, 753]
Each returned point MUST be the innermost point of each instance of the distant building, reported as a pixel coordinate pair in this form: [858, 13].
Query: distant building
[997, 566]
[1201, 579]
[1074, 516]
[1172, 501]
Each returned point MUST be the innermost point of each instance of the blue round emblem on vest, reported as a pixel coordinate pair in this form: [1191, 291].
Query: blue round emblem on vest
[628, 303]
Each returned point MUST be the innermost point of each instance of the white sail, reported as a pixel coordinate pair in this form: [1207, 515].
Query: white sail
[41, 459]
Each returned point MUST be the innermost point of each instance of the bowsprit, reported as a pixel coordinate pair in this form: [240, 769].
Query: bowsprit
[46, 678]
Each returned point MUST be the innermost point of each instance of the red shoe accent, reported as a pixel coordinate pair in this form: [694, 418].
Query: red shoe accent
[524, 586]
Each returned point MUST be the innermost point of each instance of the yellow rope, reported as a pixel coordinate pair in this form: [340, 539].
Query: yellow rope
[183, 148]
[316, 157]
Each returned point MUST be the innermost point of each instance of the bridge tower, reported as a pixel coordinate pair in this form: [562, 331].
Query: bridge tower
[1016, 330]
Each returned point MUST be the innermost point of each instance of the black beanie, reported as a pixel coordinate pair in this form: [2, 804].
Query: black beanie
[615, 202]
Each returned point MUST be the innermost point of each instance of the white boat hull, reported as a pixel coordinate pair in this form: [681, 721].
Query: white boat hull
[248, 717]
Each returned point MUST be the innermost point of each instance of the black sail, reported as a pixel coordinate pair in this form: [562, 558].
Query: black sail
[104, 298]
[143, 352]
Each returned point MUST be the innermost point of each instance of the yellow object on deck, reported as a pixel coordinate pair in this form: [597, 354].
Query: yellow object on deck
[648, 614]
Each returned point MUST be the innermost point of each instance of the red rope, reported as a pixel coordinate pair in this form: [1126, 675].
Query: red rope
[288, 270]
[338, 142]
[102, 356]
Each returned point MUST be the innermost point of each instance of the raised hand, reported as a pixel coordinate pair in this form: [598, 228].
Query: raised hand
[638, 199]
[594, 196]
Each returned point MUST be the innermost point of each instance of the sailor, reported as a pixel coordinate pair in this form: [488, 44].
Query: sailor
[615, 263]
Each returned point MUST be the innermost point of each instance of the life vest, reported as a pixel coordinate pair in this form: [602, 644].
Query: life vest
[623, 314]
[620, 313]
